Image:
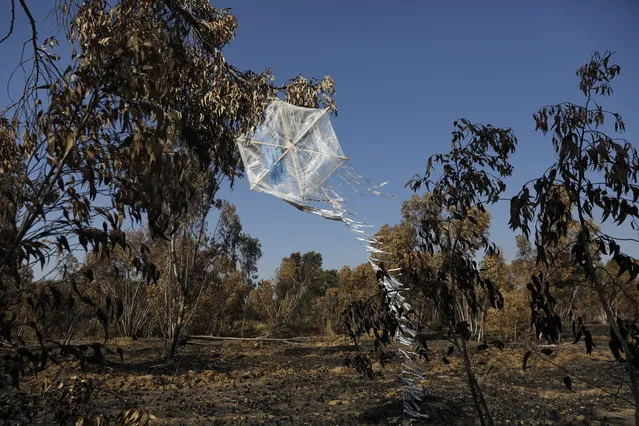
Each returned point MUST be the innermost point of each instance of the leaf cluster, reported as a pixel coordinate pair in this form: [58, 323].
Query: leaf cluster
[471, 176]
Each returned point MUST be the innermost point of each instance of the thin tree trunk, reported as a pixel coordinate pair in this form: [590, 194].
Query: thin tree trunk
[476, 392]
[8, 234]
[175, 332]
[630, 359]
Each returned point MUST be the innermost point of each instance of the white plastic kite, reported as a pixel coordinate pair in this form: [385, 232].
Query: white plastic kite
[292, 152]
[290, 155]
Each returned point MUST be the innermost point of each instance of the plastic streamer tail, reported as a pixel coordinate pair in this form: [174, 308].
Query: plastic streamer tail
[356, 181]
[412, 373]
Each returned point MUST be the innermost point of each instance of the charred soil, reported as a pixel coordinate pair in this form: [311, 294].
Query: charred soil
[307, 382]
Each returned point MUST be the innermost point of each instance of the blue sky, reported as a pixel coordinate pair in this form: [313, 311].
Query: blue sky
[404, 71]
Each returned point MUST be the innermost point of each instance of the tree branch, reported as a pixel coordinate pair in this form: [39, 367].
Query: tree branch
[13, 19]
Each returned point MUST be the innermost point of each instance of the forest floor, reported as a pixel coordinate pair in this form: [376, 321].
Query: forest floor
[251, 382]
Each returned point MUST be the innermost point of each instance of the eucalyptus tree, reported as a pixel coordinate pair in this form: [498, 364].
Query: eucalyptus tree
[470, 178]
[595, 175]
[113, 135]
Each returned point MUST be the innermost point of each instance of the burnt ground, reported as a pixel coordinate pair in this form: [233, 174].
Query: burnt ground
[248, 382]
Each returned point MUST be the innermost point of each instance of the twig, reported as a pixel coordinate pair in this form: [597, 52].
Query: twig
[252, 339]
[13, 19]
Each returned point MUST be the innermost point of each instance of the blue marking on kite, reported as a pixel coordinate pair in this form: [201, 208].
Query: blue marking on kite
[276, 170]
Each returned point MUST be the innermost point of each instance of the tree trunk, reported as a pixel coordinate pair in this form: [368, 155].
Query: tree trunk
[174, 340]
[8, 234]
[174, 334]
[630, 359]
[475, 390]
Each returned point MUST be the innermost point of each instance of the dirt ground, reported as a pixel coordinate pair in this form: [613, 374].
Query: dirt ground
[247, 382]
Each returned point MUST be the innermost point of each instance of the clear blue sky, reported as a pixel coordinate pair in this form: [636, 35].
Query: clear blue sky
[404, 72]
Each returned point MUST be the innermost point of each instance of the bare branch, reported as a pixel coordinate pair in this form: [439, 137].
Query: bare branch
[13, 19]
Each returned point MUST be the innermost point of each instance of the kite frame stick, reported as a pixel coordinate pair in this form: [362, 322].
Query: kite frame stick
[256, 142]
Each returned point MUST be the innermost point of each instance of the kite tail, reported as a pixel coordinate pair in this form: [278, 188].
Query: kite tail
[405, 335]
[356, 181]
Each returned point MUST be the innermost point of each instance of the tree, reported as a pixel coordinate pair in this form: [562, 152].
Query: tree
[523, 265]
[225, 300]
[118, 277]
[194, 263]
[298, 271]
[597, 174]
[107, 140]
[471, 177]
[346, 286]
[398, 241]
[495, 268]
[561, 271]
[222, 304]
[9, 166]
[287, 300]
[513, 321]
[621, 293]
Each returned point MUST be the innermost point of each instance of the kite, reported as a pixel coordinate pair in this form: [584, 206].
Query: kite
[291, 155]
